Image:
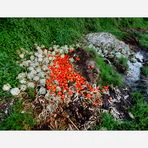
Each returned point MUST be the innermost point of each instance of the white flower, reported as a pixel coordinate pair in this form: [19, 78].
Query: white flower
[31, 84]
[6, 87]
[15, 91]
[23, 87]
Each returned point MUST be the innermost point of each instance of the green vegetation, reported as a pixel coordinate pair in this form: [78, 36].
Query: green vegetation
[31, 93]
[122, 62]
[140, 112]
[24, 32]
[144, 70]
[18, 33]
[107, 122]
[107, 73]
[18, 120]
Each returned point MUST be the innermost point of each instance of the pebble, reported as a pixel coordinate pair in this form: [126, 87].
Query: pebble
[32, 57]
[44, 68]
[21, 56]
[23, 87]
[21, 75]
[42, 91]
[31, 84]
[42, 82]
[36, 78]
[23, 81]
[6, 87]
[15, 91]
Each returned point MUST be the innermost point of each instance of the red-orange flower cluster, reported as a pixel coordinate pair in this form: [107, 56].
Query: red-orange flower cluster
[63, 76]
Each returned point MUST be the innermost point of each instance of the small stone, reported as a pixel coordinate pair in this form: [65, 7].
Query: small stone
[6, 87]
[42, 82]
[15, 91]
[31, 84]
[62, 56]
[44, 67]
[131, 115]
[30, 68]
[39, 49]
[30, 76]
[40, 59]
[47, 96]
[23, 87]
[36, 78]
[23, 81]
[45, 52]
[53, 53]
[41, 74]
[58, 88]
[42, 91]
[21, 75]
[38, 69]
[50, 58]
[32, 57]
[26, 63]
[71, 60]
[21, 56]
[33, 71]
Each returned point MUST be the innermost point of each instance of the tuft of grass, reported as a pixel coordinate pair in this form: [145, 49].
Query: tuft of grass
[107, 122]
[122, 63]
[144, 70]
[31, 93]
[107, 73]
[18, 120]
